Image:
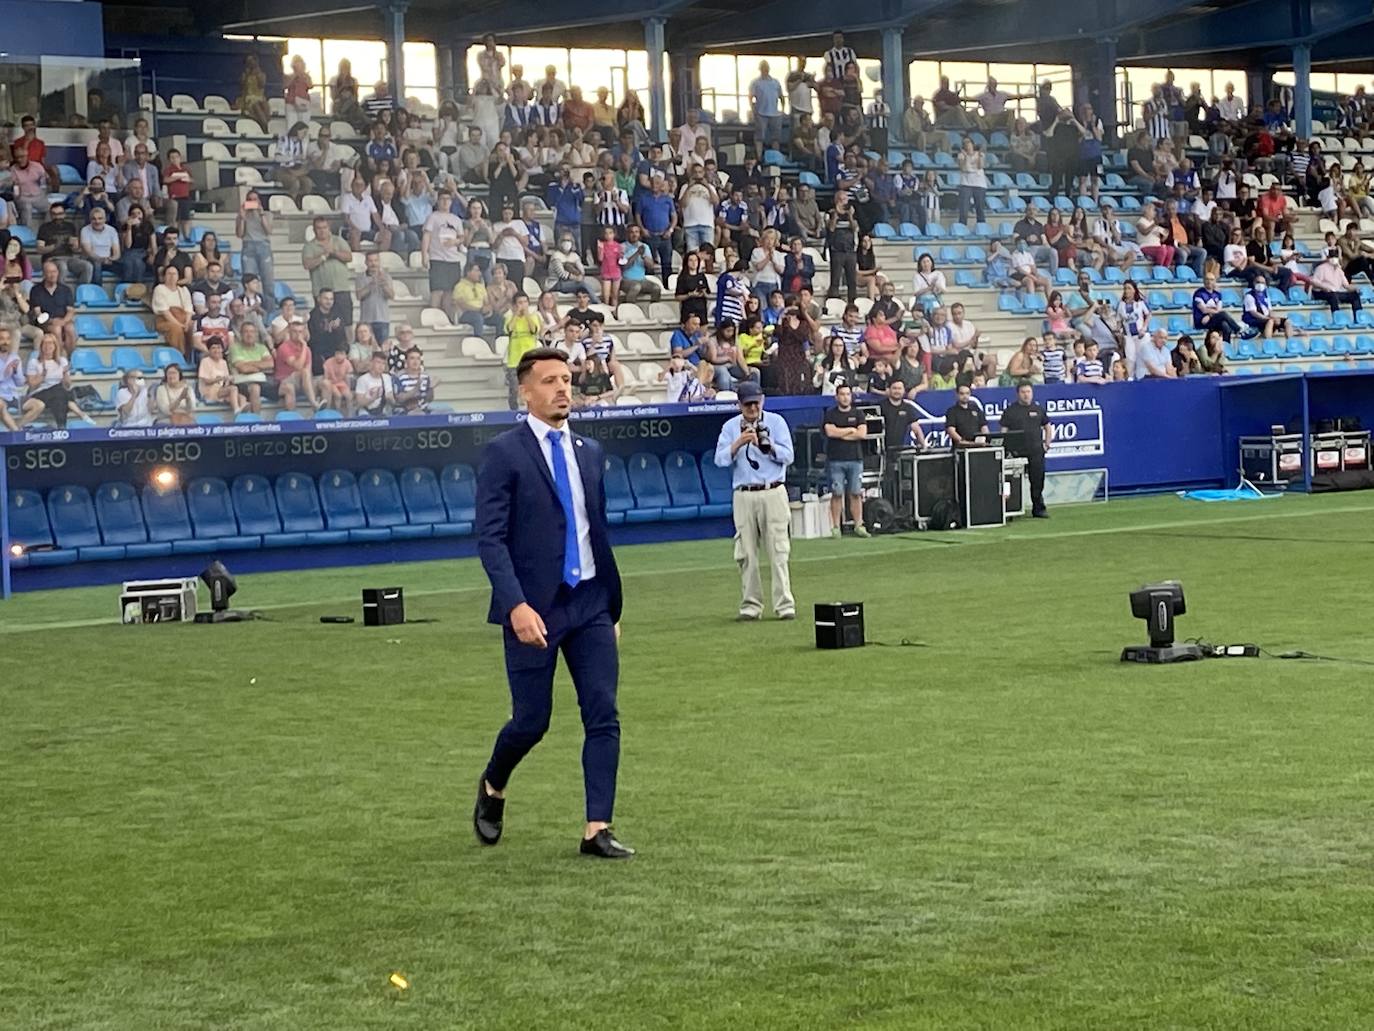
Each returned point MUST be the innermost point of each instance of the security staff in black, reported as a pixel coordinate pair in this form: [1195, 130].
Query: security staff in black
[964, 421]
[1028, 436]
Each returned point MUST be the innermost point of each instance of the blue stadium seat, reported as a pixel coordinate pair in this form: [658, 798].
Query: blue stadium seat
[921, 159]
[255, 508]
[92, 327]
[1342, 346]
[684, 482]
[327, 415]
[87, 361]
[959, 231]
[29, 527]
[719, 483]
[1182, 299]
[1156, 299]
[1162, 274]
[1065, 277]
[343, 508]
[165, 356]
[69, 175]
[1318, 320]
[975, 254]
[424, 503]
[1138, 273]
[208, 419]
[164, 513]
[966, 277]
[285, 415]
[1179, 325]
[299, 506]
[1342, 320]
[212, 516]
[458, 485]
[120, 518]
[1130, 203]
[72, 517]
[24, 235]
[126, 358]
[1017, 205]
[131, 327]
[281, 291]
[651, 492]
[1319, 347]
[806, 178]
[1362, 344]
[1112, 274]
[619, 498]
[90, 295]
[1297, 295]
[382, 504]
[883, 231]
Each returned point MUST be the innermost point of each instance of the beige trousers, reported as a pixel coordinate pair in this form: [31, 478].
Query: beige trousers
[763, 523]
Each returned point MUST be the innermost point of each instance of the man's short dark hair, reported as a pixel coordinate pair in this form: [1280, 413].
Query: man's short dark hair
[538, 354]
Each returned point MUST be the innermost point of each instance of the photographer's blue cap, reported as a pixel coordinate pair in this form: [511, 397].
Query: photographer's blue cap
[748, 392]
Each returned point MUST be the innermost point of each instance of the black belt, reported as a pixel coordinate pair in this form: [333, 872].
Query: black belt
[760, 486]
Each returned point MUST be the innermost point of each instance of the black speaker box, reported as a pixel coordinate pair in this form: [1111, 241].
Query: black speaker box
[383, 606]
[840, 624]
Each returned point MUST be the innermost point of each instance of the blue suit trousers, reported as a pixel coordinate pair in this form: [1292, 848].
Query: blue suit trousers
[579, 625]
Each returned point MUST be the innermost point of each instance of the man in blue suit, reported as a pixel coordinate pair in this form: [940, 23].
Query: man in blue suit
[542, 537]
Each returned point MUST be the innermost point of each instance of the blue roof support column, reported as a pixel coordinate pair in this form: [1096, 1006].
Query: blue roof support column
[894, 80]
[395, 11]
[1102, 87]
[460, 67]
[684, 67]
[1259, 83]
[654, 43]
[1302, 91]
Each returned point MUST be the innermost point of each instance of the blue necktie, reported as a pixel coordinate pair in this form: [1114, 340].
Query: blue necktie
[572, 571]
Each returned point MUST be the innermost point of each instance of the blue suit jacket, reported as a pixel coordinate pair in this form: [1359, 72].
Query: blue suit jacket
[520, 524]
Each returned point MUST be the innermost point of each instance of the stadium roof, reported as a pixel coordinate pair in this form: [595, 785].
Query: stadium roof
[1066, 31]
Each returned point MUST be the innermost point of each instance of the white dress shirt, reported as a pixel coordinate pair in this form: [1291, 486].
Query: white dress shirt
[586, 564]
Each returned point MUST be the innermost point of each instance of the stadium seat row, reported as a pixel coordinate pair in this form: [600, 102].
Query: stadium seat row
[212, 516]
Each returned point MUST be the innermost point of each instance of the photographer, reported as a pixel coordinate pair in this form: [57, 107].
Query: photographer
[757, 446]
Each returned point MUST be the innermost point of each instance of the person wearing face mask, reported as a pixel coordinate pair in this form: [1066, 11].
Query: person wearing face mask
[133, 402]
[1259, 314]
[567, 274]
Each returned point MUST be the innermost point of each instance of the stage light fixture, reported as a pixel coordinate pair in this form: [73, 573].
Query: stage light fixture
[221, 584]
[1158, 604]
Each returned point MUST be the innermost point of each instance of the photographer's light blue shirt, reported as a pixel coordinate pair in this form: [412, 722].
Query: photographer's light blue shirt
[772, 467]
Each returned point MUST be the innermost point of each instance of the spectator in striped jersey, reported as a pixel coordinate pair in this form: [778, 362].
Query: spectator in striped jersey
[1088, 369]
[851, 331]
[1053, 363]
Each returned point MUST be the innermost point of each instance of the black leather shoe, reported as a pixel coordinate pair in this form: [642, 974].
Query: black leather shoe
[488, 815]
[604, 846]
[1042, 514]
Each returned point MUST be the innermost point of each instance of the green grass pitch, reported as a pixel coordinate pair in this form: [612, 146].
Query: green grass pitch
[1003, 829]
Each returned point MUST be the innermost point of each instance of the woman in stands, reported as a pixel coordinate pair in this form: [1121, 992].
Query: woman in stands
[834, 367]
[973, 181]
[173, 401]
[928, 284]
[1024, 366]
[1150, 236]
[253, 92]
[1259, 314]
[1236, 259]
[206, 253]
[630, 115]
[93, 196]
[550, 322]
[140, 137]
[50, 384]
[447, 134]
[478, 238]
[1135, 316]
[912, 366]
[1087, 251]
[1057, 236]
[171, 304]
[213, 379]
[1212, 357]
[103, 166]
[253, 226]
[692, 289]
[790, 369]
[870, 277]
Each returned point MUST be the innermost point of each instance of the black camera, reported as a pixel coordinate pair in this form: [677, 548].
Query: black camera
[761, 436]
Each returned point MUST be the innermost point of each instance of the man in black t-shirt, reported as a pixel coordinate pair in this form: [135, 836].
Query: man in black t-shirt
[58, 241]
[899, 418]
[52, 306]
[1028, 428]
[845, 429]
[583, 314]
[327, 331]
[965, 421]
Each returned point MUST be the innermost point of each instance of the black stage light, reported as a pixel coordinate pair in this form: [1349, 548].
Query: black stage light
[1158, 604]
[222, 586]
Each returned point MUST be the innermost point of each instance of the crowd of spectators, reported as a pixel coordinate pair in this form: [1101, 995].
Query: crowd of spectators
[636, 220]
